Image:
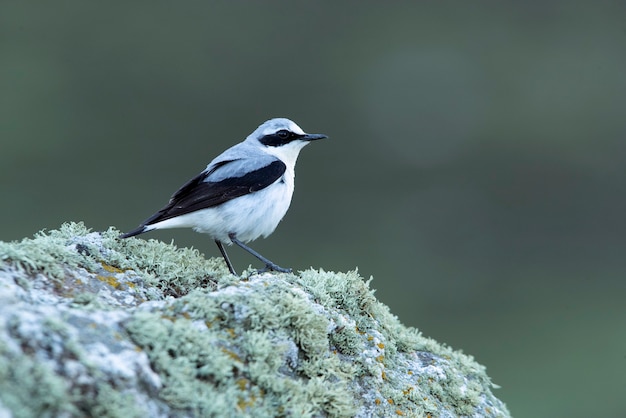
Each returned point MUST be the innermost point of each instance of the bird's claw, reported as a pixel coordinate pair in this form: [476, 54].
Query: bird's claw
[274, 267]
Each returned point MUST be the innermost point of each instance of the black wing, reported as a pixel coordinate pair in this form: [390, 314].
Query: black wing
[198, 194]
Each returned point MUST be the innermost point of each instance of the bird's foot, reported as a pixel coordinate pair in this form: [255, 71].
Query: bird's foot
[274, 267]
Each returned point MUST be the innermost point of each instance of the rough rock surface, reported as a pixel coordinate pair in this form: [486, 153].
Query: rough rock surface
[95, 326]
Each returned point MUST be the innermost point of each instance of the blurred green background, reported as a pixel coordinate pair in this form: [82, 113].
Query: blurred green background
[475, 165]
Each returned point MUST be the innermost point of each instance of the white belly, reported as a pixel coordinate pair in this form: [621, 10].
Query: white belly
[248, 217]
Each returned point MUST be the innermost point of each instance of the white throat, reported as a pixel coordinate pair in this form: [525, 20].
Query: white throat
[287, 153]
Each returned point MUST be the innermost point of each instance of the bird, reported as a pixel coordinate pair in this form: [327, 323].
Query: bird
[242, 194]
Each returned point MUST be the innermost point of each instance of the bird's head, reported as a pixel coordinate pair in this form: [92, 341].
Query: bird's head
[282, 138]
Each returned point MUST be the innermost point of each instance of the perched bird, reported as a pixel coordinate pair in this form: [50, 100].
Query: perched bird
[242, 194]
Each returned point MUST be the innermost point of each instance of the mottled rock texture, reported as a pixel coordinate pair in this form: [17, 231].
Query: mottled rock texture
[91, 325]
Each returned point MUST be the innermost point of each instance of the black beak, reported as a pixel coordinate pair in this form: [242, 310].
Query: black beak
[312, 137]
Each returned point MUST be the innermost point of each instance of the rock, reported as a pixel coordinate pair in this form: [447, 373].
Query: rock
[91, 325]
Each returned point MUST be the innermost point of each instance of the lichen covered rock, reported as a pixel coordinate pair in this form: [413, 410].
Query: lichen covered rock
[93, 325]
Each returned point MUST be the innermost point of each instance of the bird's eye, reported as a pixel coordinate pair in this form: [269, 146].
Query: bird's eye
[283, 134]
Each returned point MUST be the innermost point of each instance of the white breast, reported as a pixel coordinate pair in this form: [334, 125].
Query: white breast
[249, 217]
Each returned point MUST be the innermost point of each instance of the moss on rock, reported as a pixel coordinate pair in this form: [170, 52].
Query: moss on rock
[150, 329]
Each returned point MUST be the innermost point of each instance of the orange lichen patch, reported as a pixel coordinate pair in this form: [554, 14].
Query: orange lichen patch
[398, 412]
[377, 401]
[231, 354]
[383, 375]
[110, 280]
[111, 269]
[359, 331]
[390, 401]
[380, 345]
[242, 404]
[370, 338]
[231, 332]
[242, 384]
[428, 415]
[408, 390]
[380, 358]
[410, 372]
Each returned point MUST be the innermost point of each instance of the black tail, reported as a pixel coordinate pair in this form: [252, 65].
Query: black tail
[139, 230]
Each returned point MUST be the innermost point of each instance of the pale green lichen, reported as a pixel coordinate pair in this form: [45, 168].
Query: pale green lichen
[238, 356]
[348, 292]
[160, 265]
[46, 253]
[29, 388]
[315, 343]
[110, 403]
[247, 340]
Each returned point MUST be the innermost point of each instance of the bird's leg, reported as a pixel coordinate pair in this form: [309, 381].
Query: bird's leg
[268, 264]
[226, 259]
